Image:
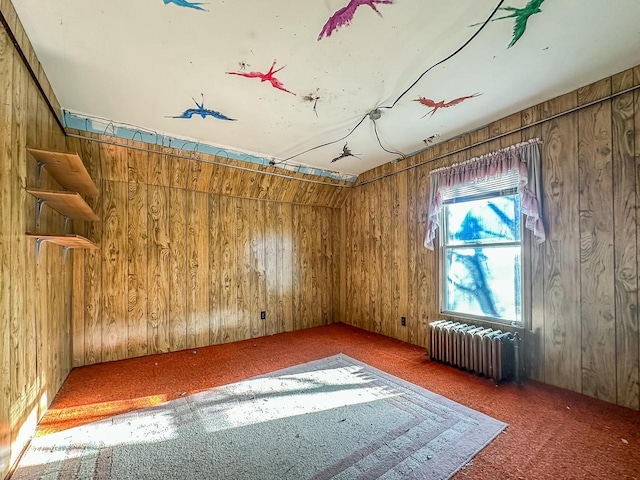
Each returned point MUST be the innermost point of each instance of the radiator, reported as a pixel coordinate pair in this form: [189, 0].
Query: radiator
[488, 352]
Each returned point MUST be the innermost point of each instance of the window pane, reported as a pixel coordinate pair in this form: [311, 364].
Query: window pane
[483, 281]
[487, 220]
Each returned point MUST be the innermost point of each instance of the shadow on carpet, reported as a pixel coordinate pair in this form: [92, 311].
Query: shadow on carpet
[331, 418]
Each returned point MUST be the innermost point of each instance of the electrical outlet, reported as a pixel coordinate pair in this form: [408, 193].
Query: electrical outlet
[403, 321]
[263, 315]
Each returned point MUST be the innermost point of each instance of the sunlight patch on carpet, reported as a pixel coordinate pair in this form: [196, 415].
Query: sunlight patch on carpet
[331, 418]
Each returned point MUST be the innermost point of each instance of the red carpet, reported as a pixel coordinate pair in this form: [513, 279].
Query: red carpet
[552, 433]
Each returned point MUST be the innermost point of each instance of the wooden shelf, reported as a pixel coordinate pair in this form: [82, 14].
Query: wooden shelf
[67, 169]
[69, 204]
[64, 240]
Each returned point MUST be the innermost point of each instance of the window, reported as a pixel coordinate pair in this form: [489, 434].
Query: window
[481, 254]
[485, 203]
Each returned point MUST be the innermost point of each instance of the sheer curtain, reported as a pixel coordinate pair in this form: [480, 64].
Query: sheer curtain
[519, 164]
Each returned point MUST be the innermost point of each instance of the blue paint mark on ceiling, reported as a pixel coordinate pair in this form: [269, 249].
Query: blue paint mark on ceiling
[129, 132]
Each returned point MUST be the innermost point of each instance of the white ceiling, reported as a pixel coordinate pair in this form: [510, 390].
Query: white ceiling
[138, 63]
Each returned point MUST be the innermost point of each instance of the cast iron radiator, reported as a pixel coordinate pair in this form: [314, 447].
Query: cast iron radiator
[488, 352]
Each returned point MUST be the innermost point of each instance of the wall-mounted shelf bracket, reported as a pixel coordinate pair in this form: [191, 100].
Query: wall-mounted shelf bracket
[39, 242]
[66, 241]
[66, 224]
[39, 203]
[39, 167]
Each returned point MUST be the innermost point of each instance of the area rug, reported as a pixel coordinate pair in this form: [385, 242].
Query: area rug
[331, 418]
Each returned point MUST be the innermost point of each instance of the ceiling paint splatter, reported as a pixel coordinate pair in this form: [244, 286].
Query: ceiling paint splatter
[522, 16]
[265, 77]
[344, 15]
[345, 153]
[431, 139]
[427, 102]
[203, 112]
[185, 3]
[313, 97]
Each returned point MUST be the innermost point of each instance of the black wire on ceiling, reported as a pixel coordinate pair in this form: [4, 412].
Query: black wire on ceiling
[324, 144]
[460, 48]
[369, 114]
[375, 129]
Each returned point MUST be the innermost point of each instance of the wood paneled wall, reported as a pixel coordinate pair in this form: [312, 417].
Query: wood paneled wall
[126, 161]
[185, 261]
[584, 332]
[35, 299]
[192, 251]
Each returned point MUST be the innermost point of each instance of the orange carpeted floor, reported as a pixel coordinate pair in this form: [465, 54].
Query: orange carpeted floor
[552, 433]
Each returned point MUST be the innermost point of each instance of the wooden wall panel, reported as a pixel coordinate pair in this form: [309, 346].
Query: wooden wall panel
[137, 284]
[178, 270]
[596, 252]
[426, 267]
[312, 273]
[43, 277]
[35, 298]
[362, 265]
[228, 287]
[114, 162]
[243, 268]
[44, 302]
[413, 245]
[25, 387]
[385, 264]
[29, 101]
[158, 256]
[284, 266]
[93, 267]
[338, 269]
[198, 269]
[625, 241]
[374, 257]
[258, 285]
[77, 313]
[159, 172]
[636, 103]
[629, 357]
[180, 173]
[582, 332]
[399, 263]
[325, 277]
[305, 230]
[561, 259]
[137, 164]
[22, 372]
[274, 322]
[534, 335]
[349, 268]
[215, 279]
[114, 270]
[6, 91]
[296, 279]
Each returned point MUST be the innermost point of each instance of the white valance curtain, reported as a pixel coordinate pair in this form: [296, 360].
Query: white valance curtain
[520, 163]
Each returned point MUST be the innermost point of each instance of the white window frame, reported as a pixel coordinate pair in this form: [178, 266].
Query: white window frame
[524, 259]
